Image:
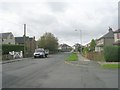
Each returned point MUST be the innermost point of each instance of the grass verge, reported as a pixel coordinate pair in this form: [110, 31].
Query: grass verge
[72, 57]
[111, 66]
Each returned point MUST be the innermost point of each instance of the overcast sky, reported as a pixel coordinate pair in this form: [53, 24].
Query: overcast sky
[60, 17]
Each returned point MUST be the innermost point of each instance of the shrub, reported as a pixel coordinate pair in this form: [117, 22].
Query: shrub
[8, 48]
[85, 51]
[111, 53]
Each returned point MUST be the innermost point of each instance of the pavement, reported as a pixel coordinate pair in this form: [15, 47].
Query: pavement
[53, 72]
[81, 61]
[14, 60]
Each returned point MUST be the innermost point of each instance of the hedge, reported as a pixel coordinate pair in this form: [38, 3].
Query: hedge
[111, 53]
[8, 48]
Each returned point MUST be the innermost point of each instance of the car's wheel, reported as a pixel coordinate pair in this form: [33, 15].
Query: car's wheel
[42, 56]
[34, 56]
[46, 56]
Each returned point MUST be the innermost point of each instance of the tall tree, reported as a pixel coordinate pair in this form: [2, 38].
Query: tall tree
[92, 45]
[48, 41]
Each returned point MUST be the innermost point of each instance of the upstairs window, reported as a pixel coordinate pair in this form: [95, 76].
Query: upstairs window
[11, 36]
[2, 40]
[118, 35]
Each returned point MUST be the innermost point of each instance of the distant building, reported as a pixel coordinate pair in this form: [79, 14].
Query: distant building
[30, 43]
[117, 37]
[7, 38]
[33, 44]
[88, 45]
[19, 40]
[77, 47]
[64, 48]
[105, 40]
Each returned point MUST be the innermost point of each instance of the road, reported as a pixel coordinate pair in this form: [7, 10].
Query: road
[52, 72]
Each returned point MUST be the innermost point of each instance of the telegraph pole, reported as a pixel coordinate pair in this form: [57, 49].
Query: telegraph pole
[24, 40]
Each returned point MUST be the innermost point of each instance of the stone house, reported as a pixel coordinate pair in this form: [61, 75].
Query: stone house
[30, 44]
[33, 44]
[105, 40]
[7, 38]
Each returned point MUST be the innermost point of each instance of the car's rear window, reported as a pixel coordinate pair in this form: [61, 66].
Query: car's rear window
[39, 51]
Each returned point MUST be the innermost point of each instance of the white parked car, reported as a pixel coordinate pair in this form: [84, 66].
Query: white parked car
[40, 52]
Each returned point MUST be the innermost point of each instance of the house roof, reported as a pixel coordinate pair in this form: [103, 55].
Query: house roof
[5, 35]
[77, 45]
[31, 39]
[19, 39]
[117, 31]
[64, 45]
[110, 34]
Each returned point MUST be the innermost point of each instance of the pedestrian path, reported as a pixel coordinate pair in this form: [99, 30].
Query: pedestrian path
[81, 58]
[84, 62]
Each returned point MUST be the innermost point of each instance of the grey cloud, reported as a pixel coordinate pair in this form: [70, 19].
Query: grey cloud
[45, 20]
[10, 7]
[39, 22]
[57, 6]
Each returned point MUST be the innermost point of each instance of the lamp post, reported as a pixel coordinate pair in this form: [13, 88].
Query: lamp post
[80, 31]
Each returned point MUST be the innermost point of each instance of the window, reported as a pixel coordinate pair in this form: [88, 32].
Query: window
[2, 40]
[118, 35]
[11, 36]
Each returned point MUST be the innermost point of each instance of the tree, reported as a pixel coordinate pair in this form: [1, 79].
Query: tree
[48, 41]
[78, 47]
[85, 51]
[92, 45]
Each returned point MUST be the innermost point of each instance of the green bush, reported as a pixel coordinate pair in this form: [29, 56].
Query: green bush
[8, 48]
[111, 53]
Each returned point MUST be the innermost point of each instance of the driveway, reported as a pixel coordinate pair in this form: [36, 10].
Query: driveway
[53, 72]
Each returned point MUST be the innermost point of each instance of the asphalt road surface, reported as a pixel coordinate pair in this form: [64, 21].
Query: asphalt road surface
[52, 72]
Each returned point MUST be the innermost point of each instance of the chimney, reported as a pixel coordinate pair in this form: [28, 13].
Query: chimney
[34, 37]
[110, 29]
[24, 29]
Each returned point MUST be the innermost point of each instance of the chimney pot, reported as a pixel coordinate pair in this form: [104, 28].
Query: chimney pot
[110, 29]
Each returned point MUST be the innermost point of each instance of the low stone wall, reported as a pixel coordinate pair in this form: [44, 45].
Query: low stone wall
[7, 57]
[96, 56]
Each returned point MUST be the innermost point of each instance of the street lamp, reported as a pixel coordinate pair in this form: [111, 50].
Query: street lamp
[80, 31]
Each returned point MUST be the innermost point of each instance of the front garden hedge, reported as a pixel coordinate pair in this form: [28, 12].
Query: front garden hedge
[8, 48]
[112, 53]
